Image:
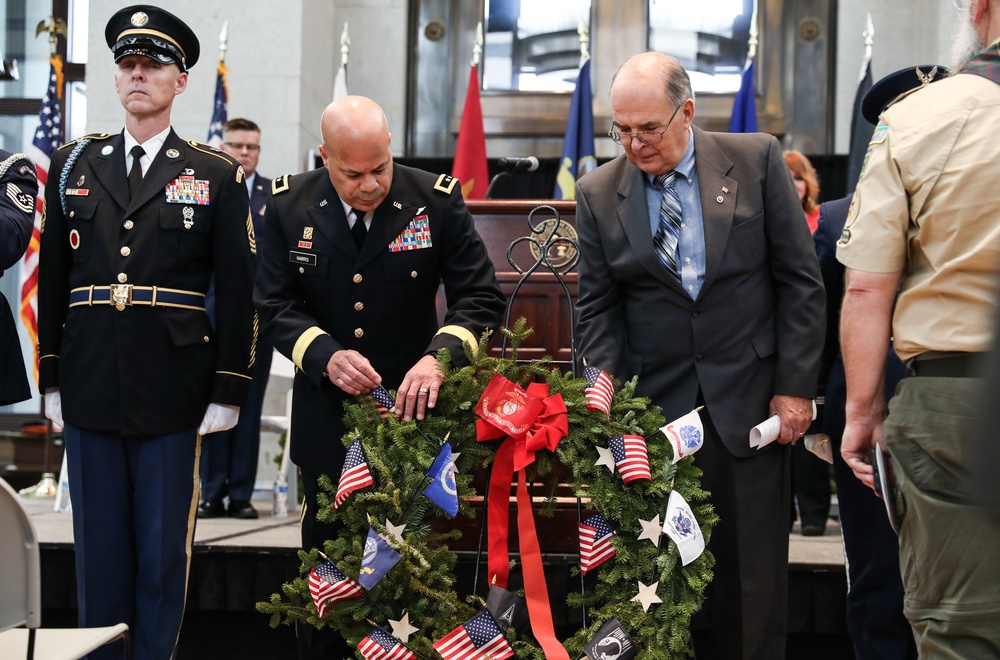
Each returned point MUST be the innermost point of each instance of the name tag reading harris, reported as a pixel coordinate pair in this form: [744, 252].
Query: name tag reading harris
[302, 258]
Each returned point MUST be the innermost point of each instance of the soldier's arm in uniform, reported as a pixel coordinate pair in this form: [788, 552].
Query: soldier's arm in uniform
[18, 189]
[55, 260]
[233, 247]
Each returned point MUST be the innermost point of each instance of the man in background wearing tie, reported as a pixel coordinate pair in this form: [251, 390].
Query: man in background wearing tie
[134, 230]
[698, 276]
[229, 458]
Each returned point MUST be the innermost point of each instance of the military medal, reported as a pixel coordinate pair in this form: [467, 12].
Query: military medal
[188, 214]
[416, 236]
[307, 233]
[188, 190]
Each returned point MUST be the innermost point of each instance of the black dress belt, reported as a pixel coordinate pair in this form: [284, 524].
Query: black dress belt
[963, 365]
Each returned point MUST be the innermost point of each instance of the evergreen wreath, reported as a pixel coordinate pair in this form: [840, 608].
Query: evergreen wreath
[422, 584]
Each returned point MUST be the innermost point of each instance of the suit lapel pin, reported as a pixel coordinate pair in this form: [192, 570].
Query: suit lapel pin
[107, 150]
[719, 199]
[81, 181]
[173, 153]
[725, 190]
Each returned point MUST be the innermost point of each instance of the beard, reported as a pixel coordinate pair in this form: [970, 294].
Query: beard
[967, 42]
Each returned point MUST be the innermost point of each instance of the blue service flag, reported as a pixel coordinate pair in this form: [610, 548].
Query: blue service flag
[442, 489]
[578, 146]
[744, 119]
[376, 561]
[220, 113]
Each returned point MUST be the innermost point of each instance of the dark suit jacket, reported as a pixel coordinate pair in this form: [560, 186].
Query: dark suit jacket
[145, 370]
[316, 294]
[754, 330]
[18, 190]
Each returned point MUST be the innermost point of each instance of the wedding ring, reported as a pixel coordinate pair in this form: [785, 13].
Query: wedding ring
[422, 390]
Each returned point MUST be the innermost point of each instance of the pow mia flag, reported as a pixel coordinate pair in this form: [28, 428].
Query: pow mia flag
[508, 609]
[610, 643]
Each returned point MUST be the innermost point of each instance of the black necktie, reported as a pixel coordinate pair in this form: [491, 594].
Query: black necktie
[135, 174]
[359, 230]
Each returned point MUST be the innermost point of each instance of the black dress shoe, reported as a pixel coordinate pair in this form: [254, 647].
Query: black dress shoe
[242, 509]
[211, 509]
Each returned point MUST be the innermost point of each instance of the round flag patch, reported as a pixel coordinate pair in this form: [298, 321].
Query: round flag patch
[74, 239]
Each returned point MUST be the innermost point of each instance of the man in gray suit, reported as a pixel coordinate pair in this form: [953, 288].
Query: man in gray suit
[698, 275]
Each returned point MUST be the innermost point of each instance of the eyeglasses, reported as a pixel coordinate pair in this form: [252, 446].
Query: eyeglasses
[646, 137]
[240, 146]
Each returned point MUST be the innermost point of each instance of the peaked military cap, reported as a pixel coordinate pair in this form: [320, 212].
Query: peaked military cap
[154, 33]
[888, 89]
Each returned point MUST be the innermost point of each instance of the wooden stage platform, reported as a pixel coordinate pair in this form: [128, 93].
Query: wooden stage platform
[239, 562]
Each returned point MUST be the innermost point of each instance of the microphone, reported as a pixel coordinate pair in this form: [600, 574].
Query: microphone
[517, 164]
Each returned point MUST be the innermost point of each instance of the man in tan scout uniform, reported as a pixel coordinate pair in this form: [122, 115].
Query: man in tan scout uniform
[922, 248]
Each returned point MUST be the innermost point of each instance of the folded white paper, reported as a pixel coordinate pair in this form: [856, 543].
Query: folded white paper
[768, 431]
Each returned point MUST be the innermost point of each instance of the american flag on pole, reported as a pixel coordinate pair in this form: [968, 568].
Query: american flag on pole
[384, 402]
[328, 584]
[380, 645]
[220, 113]
[355, 474]
[631, 457]
[595, 542]
[479, 637]
[48, 137]
[599, 391]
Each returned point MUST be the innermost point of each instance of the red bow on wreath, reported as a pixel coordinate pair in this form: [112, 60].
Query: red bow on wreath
[531, 419]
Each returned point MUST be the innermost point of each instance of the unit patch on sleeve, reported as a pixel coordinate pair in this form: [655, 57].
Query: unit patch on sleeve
[416, 236]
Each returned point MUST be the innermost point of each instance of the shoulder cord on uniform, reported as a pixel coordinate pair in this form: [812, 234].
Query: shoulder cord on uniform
[68, 167]
[4, 166]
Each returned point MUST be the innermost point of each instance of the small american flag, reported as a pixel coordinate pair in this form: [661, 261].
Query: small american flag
[380, 645]
[328, 584]
[355, 474]
[479, 637]
[630, 457]
[595, 542]
[599, 391]
[384, 402]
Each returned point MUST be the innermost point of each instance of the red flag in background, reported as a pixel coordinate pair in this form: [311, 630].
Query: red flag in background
[470, 150]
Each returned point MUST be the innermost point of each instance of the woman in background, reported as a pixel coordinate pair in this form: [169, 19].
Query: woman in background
[806, 184]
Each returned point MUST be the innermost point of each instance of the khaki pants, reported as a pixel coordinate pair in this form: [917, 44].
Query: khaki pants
[949, 550]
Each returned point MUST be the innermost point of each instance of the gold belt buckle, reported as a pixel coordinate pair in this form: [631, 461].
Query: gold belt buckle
[121, 295]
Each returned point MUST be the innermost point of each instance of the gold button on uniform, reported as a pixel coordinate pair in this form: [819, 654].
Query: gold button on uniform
[359, 333]
[413, 274]
[126, 251]
[207, 339]
[72, 213]
[358, 306]
[123, 278]
[357, 278]
[302, 271]
[129, 224]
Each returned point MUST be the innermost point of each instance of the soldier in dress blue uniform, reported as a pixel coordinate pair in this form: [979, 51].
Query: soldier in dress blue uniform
[351, 258]
[229, 458]
[136, 224]
[18, 189]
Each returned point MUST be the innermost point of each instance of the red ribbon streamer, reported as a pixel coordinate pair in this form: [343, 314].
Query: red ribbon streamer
[532, 420]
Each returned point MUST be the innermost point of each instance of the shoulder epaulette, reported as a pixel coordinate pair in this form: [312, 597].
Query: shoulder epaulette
[445, 183]
[904, 95]
[91, 136]
[279, 184]
[211, 151]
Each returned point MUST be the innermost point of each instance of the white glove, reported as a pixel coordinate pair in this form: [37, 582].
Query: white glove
[219, 417]
[53, 408]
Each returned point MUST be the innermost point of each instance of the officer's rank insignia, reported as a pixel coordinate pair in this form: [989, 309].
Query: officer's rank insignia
[77, 192]
[323, 203]
[416, 236]
[188, 214]
[307, 233]
[187, 190]
[21, 199]
[306, 245]
[173, 153]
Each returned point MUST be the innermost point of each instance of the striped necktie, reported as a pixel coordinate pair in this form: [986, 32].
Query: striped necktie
[669, 230]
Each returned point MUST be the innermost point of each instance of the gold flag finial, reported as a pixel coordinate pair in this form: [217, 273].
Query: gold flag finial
[224, 41]
[55, 27]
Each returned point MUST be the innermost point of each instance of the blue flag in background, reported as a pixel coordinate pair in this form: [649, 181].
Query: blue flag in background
[578, 146]
[376, 560]
[442, 489]
[219, 110]
[744, 119]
